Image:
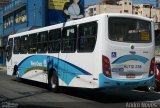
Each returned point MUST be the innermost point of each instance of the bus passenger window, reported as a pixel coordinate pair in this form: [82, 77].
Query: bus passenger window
[32, 43]
[24, 44]
[54, 41]
[42, 42]
[87, 37]
[69, 39]
[17, 45]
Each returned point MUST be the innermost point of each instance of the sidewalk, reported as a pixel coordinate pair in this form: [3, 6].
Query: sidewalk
[3, 68]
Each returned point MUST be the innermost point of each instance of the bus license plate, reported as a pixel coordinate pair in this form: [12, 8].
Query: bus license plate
[130, 75]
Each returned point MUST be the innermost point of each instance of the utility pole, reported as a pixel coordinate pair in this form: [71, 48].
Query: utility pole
[150, 14]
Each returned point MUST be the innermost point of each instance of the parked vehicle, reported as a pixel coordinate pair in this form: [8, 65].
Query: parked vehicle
[157, 73]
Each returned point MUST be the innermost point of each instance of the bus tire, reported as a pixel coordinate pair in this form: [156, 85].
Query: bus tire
[15, 72]
[53, 84]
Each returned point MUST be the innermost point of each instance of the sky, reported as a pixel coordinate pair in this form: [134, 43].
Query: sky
[91, 2]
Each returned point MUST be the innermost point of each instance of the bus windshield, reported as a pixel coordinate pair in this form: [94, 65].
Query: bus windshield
[129, 30]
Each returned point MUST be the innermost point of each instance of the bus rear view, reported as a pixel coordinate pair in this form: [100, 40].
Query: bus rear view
[128, 53]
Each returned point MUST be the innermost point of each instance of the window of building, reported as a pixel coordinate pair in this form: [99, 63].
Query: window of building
[69, 39]
[32, 43]
[17, 45]
[87, 37]
[54, 41]
[125, 11]
[125, 3]
[23, 16]
[17, 19]
[24, 44]
[20, 16]
[8, 21]
[12, 20]
[130, 3]
[91, 11]
[42, 42]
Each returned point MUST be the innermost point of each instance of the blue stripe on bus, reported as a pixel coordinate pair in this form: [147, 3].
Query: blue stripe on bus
[66, 70]
[130, 57]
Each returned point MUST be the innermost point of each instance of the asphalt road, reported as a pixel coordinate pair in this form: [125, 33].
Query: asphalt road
[27, 94]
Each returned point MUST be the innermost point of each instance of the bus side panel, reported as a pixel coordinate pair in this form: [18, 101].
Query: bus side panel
[9, 68]
[89, 62]
[32, 67]
[76, 69]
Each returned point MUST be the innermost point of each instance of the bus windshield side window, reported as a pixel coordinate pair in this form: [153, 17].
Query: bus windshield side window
[9, 49]
[17, 45]
[87, 37]
[69, 39]
[32, 43]
[42, 42]
[24, 44]
[54, 41]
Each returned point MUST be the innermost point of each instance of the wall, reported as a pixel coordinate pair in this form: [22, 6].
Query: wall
[36, 12]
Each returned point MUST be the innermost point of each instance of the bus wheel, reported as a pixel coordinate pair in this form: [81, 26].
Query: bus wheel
[16, 73]
[53, 82]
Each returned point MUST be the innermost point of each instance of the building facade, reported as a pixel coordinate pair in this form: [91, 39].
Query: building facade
[23, 15]
[125, 6]
[4, 3]
[17, 16]
[147, 10]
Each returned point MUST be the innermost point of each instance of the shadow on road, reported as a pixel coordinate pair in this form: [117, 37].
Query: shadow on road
[102, 96]
[25, 94]
[112, 95]
[36, 106]
[31, 83]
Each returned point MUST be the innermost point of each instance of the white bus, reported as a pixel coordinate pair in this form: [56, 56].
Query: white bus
[103, 51]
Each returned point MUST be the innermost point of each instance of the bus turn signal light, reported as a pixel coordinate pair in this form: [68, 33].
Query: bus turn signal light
[106, 66]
